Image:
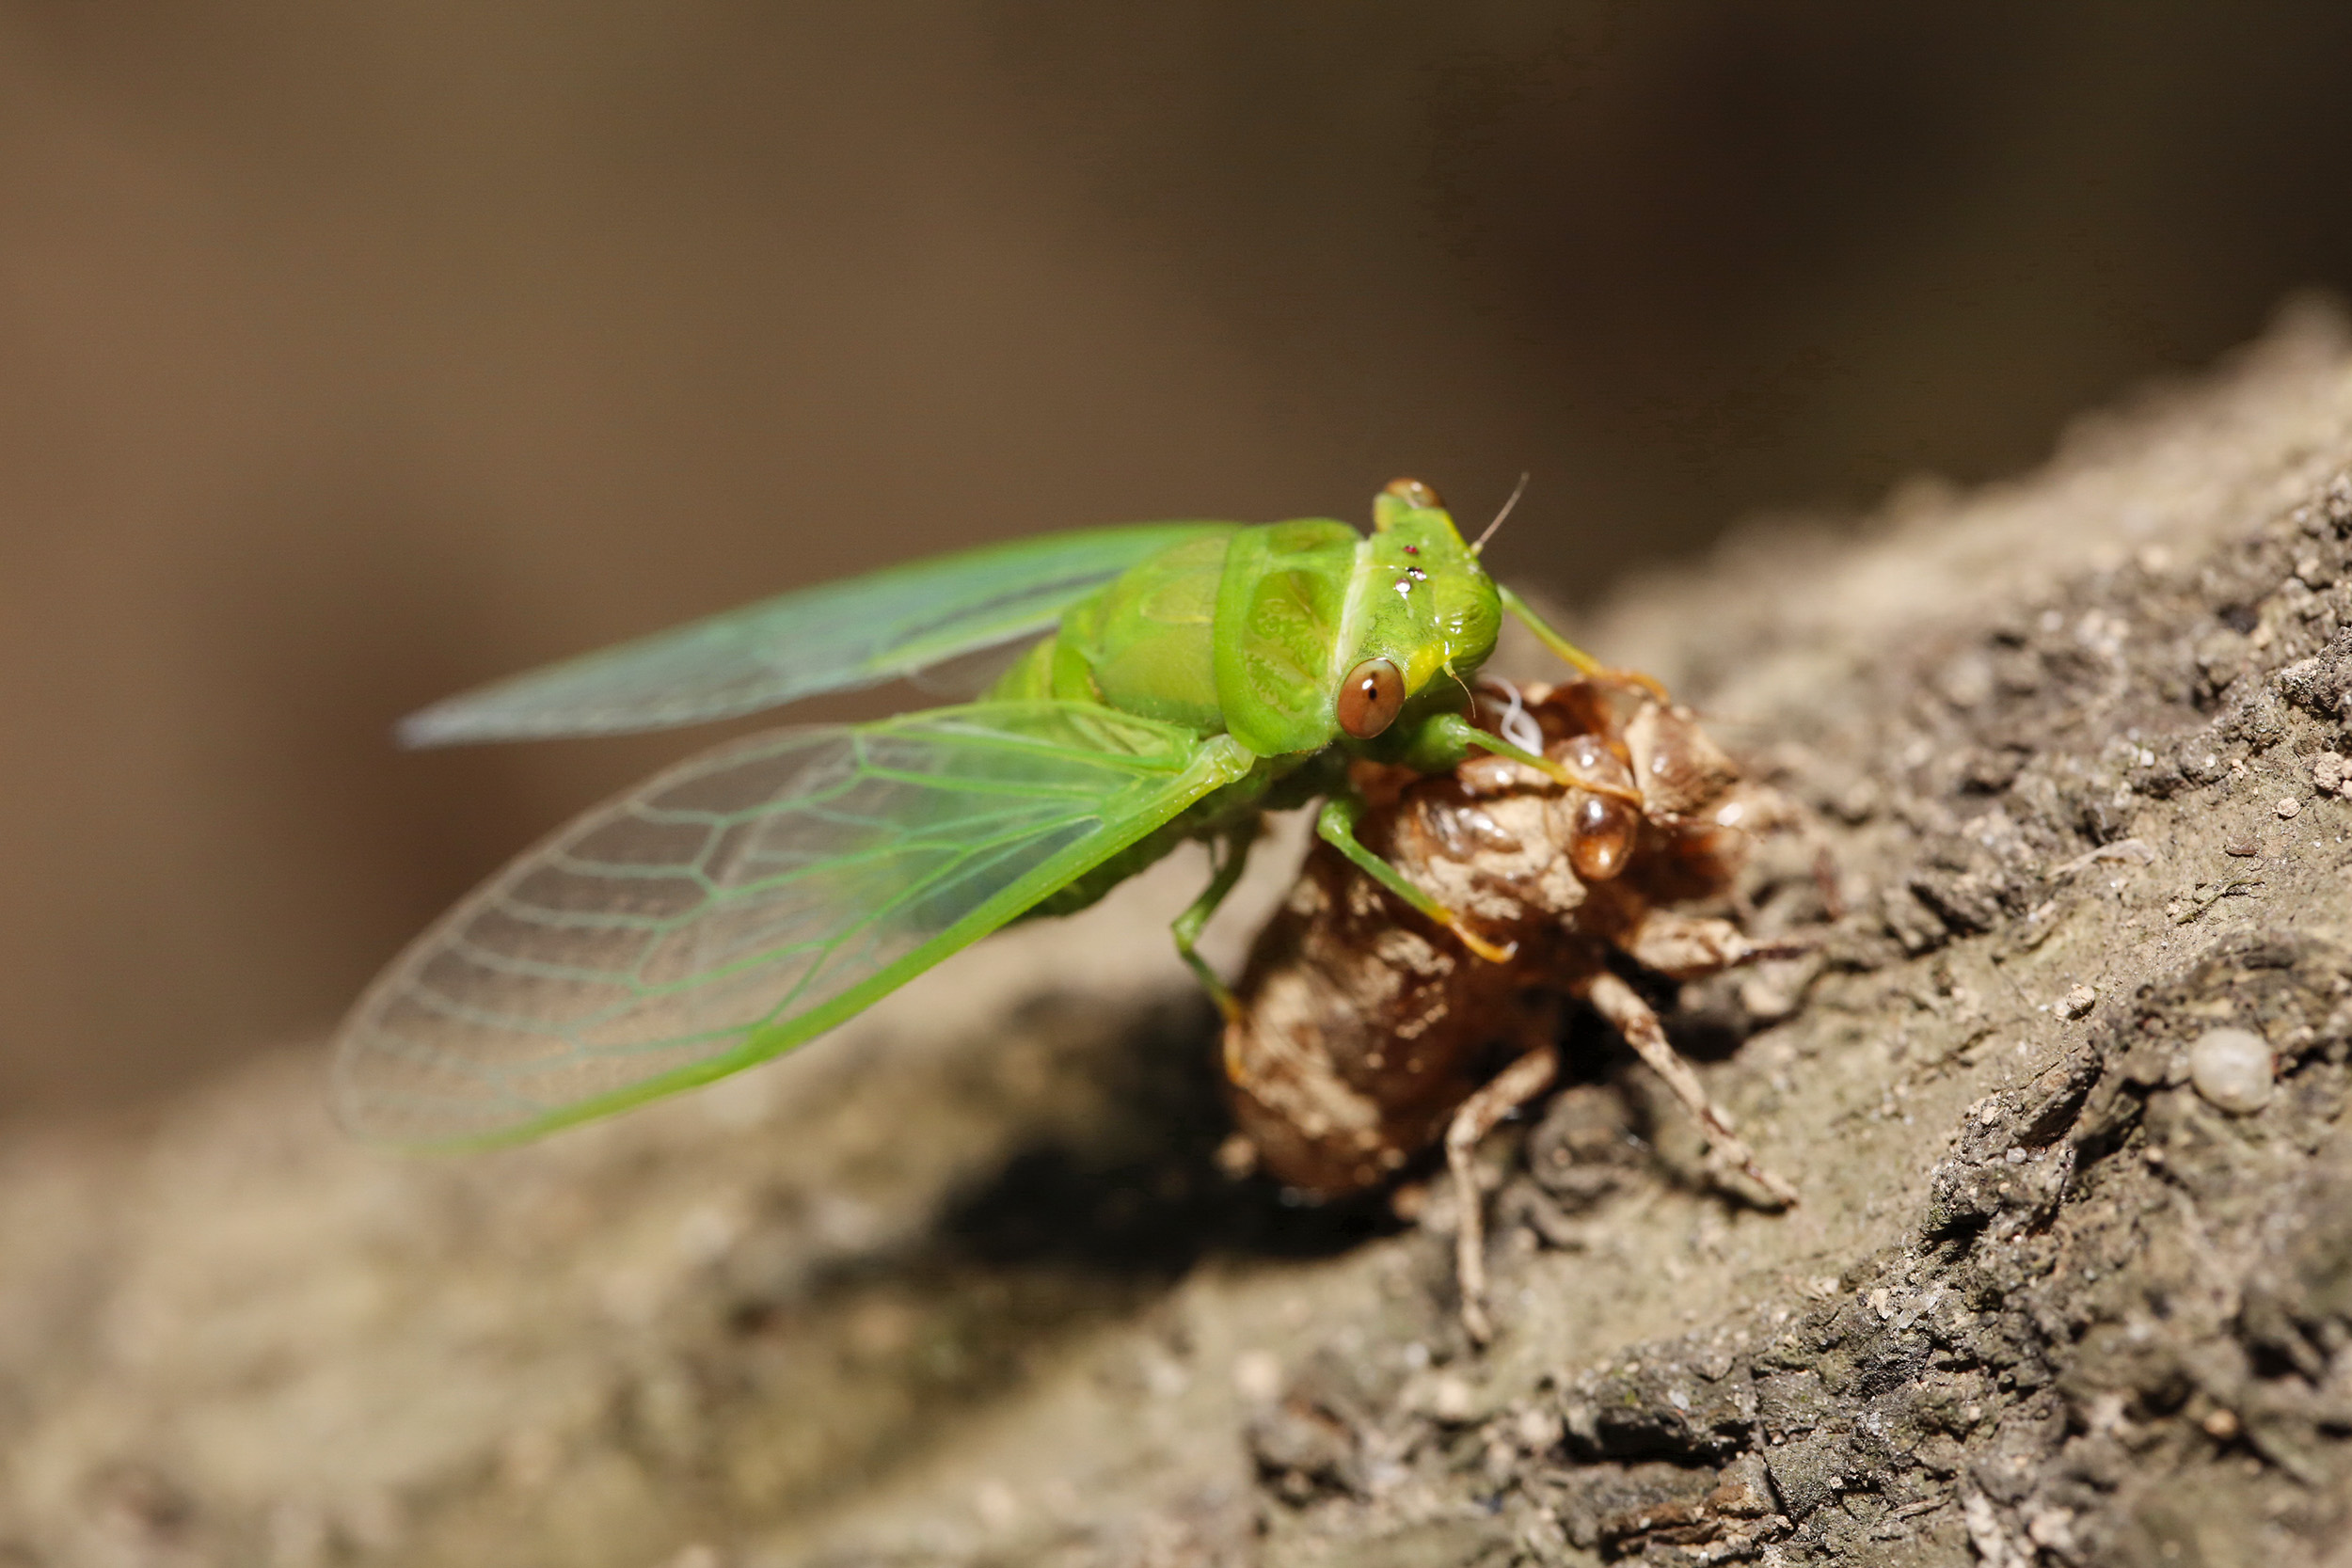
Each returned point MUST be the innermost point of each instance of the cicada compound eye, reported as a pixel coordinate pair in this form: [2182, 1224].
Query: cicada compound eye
[1412, 492]
[1370, 698]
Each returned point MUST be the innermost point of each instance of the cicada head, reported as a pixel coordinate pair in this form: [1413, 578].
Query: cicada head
[1430, 613]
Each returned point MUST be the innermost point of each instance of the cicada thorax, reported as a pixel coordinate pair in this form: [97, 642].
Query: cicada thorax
[1143, 644]
[1290, 635]
[1230, 634]
[1282, 609]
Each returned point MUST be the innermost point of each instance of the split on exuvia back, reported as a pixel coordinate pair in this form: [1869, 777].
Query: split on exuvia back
[1188, 677]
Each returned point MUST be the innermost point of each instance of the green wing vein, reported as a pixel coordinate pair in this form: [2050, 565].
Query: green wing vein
[743, 902]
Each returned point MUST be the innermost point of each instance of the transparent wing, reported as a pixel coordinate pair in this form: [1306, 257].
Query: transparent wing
[744, 901]
[831, 637]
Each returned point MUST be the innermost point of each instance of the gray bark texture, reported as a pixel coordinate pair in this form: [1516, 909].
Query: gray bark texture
[2071, 1282]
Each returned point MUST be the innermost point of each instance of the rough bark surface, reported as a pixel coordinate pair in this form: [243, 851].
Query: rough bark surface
[2072, 1281]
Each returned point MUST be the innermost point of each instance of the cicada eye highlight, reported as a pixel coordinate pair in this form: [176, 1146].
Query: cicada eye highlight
[1370, 698]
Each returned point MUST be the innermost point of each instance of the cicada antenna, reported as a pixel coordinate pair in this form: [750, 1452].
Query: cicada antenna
[1517, 491]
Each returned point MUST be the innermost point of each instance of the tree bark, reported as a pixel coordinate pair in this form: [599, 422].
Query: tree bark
[2070, 1280]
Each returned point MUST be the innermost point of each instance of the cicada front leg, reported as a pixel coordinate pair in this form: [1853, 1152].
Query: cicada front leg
[1602, 777]
[1336, 826]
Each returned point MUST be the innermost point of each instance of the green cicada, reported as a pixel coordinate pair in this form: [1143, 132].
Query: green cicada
[1193, 676]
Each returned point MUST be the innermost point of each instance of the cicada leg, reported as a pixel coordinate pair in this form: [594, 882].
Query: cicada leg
[1478, 1115]
[1336, 826]
[1567, 777]
[1623, 1007]
[1187, 926]
[1577, 658]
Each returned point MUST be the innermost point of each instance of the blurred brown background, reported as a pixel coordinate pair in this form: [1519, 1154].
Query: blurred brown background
[356, 353]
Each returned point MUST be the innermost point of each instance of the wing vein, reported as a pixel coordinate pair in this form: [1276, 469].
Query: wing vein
[745, 901]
